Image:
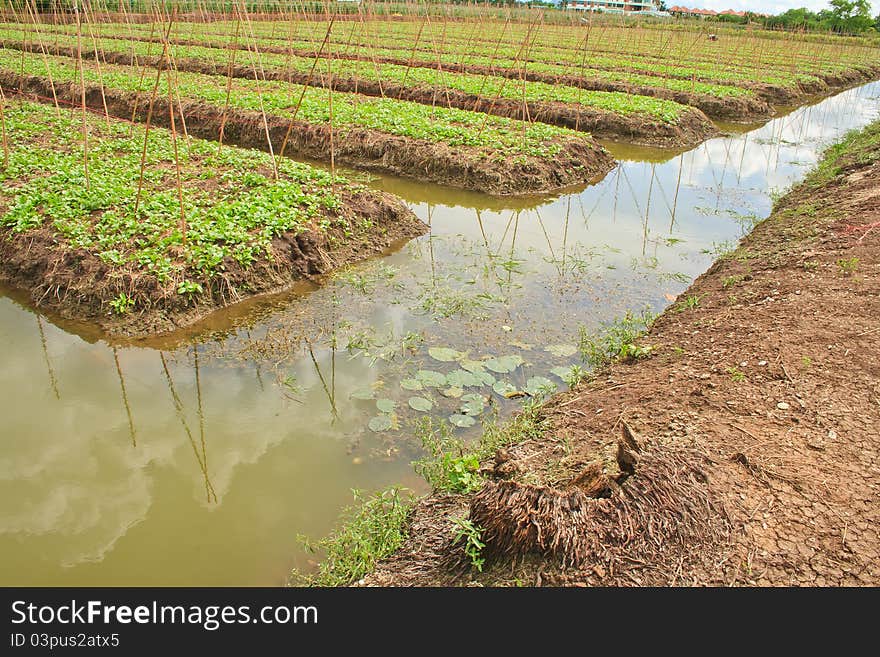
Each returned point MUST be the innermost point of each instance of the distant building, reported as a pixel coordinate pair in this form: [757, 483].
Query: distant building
[675, 10]
[648, 7]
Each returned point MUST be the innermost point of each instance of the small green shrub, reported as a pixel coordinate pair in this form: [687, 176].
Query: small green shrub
[472, 536]
[617, 341]
[122, 304]
[369, 532]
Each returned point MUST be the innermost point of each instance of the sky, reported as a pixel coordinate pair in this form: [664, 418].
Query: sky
[764, 6]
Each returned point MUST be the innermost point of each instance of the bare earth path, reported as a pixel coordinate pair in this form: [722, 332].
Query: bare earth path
[752, 446]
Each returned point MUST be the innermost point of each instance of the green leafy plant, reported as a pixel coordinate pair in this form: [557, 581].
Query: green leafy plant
[471, 536]
[730, 281]
[122, 304]
[848, 265]
[690, 302]
[736, 374]
[189, 287]
[448, 466]
[575, 375]
[369, 531]
[616, 341]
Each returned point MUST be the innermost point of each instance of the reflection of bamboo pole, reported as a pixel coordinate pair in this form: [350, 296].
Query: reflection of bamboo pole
[512, 251]
[675, 198]
[131, 429]
[549, 244]
[431, 246]
[256, 365]
[201, 412]
[483, 232]
[742, 159]
[330, 395]
[565, 231]
[178, 408]
[52, 380]
[616, 193]
[648, 210]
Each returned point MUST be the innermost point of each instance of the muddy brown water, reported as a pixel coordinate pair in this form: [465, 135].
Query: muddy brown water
[198, 458]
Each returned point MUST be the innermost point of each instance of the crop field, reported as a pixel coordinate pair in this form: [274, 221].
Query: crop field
[263, 260]
[156, 224]
[501, 105]
[672, 65]
[610, 115]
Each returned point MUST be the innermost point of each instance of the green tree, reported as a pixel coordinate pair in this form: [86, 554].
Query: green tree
[851, 16]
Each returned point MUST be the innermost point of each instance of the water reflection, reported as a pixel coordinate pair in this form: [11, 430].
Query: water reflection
[198, 458]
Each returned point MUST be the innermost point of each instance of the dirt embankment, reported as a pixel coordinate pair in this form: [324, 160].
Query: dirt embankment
[692, 127]
[578, 161]
[77, 284]
[744, 451]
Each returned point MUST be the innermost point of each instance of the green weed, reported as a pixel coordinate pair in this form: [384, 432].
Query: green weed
[848, 265]
[472, 536]
[736, 374]
[616, 341]
[690, 302]
[122, 304]
[368, 532]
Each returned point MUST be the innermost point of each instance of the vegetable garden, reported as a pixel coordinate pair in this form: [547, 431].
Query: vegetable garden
[127, 129]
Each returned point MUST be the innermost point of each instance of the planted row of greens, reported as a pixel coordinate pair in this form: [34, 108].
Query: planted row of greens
[757, 49]
[432, 80]
[762, 51]
[776, 67]
[496, 137]
[567, 62]
[688, 82]
[233, 205]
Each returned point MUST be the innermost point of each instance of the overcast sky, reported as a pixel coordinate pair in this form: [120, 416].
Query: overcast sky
[764, 6]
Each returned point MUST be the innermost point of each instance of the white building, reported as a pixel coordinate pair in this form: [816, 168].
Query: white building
[617, 6]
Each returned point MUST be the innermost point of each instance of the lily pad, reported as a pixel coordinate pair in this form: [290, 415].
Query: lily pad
[539, 385]
[430, 378]
[411, 384]
[562, 350]
[380, 423]
[504, 364]
[461, 379]
[473, 405]
[462, 421]
[485, 378]
[385, 405]
[420, 404]
[452, 392]
[364, 393]
[444, 354]
[562, 372]
[503, 388]
[472, 366]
